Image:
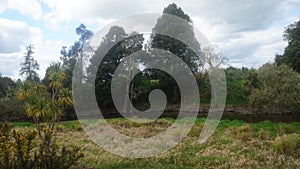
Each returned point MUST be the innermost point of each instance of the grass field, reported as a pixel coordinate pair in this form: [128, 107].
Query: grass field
[235, 144]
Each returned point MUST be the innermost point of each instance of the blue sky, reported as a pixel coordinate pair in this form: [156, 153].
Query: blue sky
[248, 33]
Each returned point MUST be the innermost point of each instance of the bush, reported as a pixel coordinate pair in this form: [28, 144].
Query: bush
[278, 90]
[22, 149]
[11, 109]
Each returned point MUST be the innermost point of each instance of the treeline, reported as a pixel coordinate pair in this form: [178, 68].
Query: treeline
[274, 87]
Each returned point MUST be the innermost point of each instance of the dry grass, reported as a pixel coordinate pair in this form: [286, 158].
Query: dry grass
[234, 145]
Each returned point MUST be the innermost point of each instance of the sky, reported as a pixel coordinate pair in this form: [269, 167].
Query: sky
[248, 33]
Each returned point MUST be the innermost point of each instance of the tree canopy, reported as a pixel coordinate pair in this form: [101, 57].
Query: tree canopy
[291, 55]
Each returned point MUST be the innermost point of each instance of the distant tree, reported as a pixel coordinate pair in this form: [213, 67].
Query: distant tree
[278, 89]
[6, 86]
[291, 55]
[235, 79]
[30, 65]
[69, 56]
[213, 58]
[251, 82]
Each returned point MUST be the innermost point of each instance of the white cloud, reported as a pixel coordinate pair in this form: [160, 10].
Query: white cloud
[240, 15]
[253, 49]
[9, 64]
[13, 34]
[47, 51]
[244, 16]
[26, 7]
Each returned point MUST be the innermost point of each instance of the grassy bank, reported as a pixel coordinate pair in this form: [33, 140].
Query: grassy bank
[235, 144]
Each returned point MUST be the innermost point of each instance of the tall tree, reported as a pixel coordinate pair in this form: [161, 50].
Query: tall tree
[123, 45]
[178, 48]
[30, 65]
[70, 56]
[291, 55]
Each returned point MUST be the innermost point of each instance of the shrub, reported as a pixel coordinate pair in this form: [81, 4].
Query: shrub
[16, 148]
[21, 149]
[278, 91]
[52, 157]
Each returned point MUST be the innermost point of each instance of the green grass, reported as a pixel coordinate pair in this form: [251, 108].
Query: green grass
[235, 144]
[23, 124]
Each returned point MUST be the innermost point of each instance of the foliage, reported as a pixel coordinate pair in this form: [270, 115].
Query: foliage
[123, 46]
[69, 56]
[278, 90]
[21, 150]
[11, 109]
[235, 80]
[291, 55]
[39, 103]
[176, 47]
[6, 85]
[51, 156]
[238, 83]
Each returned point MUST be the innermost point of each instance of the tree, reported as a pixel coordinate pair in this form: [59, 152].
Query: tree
[278, 89]
[36, 104]
[123, 45]
[37, 108]
[213, 58]
[39, 103]
[235, 79]
[70, 56]
[6, 84]
[29, 66]
[60, 96]
[109, 63]
[178, 48]
[291, 55]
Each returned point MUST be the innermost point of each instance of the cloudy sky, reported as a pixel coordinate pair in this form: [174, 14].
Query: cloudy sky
[249, 33]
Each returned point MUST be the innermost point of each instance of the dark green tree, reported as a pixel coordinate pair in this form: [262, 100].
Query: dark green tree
[123, 45]
[178, 48]
[6, 84]
[291, 55]
[30, 65]
[235, 79]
